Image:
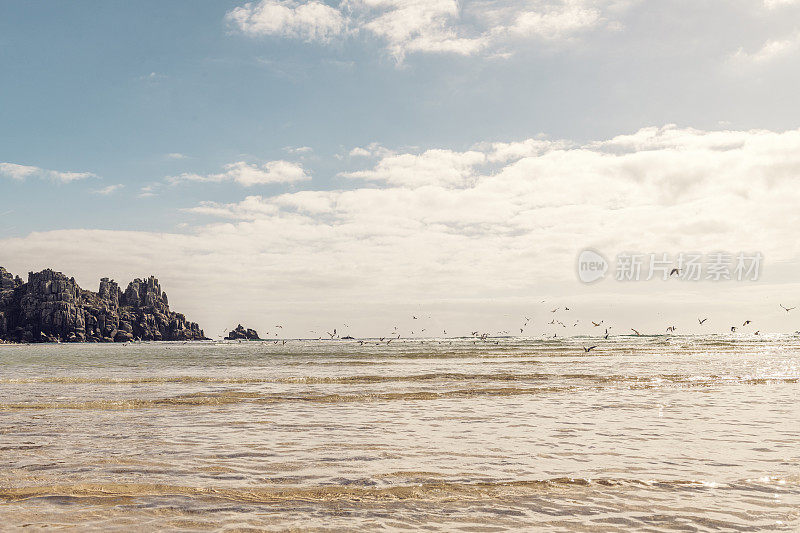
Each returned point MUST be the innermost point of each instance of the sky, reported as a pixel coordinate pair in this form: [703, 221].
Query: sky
[354, 164]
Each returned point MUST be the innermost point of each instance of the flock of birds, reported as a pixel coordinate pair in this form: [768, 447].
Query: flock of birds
[395, 334]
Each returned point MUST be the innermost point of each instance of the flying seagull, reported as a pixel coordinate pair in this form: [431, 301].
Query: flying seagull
[746, 322]
[589, 349]
[733, 329]
[787, 309]
[701, 321]
[633, 330]
[675, 271]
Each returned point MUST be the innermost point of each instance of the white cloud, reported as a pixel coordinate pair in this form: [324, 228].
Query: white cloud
[769, 51]
[150, 190]
[371, 150]
[428, 26]
[21, 172]
[433, 167]
[17, 172]
[177, 155]
[359, 152]
[557, 21]
[248, 174]
[106, 191]
[772, 4]
[298, 150]
[495, 223]
[287, 18]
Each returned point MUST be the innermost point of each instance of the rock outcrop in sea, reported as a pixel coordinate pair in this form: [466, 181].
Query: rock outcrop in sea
[240, 333]
[52, 308]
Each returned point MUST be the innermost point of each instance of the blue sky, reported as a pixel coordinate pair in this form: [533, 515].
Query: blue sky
[159, 107]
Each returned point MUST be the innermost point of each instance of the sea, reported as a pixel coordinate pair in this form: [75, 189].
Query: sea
[642, 433]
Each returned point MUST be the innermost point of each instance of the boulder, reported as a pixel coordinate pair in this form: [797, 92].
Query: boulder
[240, 333]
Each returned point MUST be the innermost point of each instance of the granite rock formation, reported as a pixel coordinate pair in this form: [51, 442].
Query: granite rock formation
[52, 308]
[240, 333]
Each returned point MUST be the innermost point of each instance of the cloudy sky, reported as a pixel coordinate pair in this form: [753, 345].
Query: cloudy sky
[315, 164]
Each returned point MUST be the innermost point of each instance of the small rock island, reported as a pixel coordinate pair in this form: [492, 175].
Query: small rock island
[242, 334]
[52, 308]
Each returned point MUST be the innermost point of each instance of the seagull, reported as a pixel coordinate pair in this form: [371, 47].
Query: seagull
[414, 318]
[596, 324]
[757, 332]
[787, 309]
[746, 322]
[566, 309]
[701, 321]
[589, 349]
[332, 334]
[671, 329]
[279, 327]
[554, 310]
[733, 329]
[606, 336]
[636, 332]
[675, 271]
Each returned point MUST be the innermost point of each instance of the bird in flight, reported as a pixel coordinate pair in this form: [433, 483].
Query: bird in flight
[733, 329]
[671, 329]
[589, 349]
[787, 309]
[414, 318]
[596, 324]
[675, 271]
[746, 322]
[702, 321]
[636, 332]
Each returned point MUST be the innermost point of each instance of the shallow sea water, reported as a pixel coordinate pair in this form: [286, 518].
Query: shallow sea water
[642, 433]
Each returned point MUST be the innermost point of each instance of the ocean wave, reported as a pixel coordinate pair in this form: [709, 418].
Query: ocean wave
[427, 490]
[432, 376]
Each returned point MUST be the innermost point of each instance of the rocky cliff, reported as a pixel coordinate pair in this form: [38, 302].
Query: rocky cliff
[51, 307]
